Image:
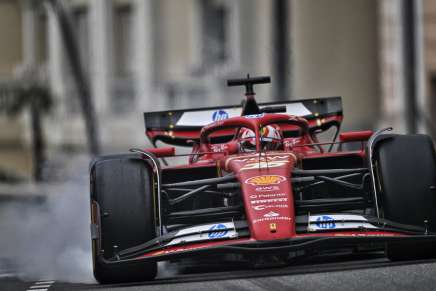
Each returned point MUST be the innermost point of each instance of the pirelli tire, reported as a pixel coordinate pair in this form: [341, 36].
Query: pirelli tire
[406, 172]
[121, 186]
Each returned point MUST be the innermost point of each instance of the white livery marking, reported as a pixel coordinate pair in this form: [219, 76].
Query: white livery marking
[199, 118]
[262, 207]
[271, 214]
[272, 200]
[205, 232]
[297, 109]
[337, 221]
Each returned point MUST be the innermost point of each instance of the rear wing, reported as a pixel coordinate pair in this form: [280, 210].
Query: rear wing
[182, 127]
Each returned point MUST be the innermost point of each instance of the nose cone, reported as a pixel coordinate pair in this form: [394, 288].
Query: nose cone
[266, 193]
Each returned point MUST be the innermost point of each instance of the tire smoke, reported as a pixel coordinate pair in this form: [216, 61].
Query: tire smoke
[50, 239]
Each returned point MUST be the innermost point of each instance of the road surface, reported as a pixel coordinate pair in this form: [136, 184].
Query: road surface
[348, 272]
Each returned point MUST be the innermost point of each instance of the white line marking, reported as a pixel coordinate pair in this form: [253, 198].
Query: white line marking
[6, 275]
[40, 286]
[44, 282]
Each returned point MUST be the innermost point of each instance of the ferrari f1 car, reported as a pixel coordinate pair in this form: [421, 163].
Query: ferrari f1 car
[260, 187]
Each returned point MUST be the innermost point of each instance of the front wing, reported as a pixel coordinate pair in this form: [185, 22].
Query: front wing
[233, 238]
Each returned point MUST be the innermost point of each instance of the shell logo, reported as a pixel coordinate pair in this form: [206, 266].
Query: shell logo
[265, 180]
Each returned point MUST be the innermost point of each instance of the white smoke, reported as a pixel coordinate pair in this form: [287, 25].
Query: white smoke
[50, 239]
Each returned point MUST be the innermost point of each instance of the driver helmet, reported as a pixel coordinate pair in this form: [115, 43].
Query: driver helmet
[270, 138]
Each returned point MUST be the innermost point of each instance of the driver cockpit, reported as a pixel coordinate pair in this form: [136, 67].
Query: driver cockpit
[270, 138]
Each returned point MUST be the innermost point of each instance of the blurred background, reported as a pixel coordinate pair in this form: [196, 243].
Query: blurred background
[76, 75]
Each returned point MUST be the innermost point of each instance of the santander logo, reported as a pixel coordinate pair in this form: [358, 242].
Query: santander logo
[271, 214]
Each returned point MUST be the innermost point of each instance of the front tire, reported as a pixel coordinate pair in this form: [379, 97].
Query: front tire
[121, 186]
[407, 172]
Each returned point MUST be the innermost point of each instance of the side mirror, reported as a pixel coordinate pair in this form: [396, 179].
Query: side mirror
[162, 152]
[350, 136]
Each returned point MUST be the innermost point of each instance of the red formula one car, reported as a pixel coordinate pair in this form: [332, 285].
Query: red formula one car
[260, 187]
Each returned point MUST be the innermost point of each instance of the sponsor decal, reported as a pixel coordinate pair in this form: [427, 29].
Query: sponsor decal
[263, 207]
[336, 221]
[203, 232]
[292, 142]
[265, 180]
[325, 222]
[271, 214]
[263, 165]
[254, 115]
[267, 195]
[336, 217]
[203, 117]
[272, 219]
[219, 147]
[218, 234]
[262, 158]
[267, 188]
[220, 115]
[273, 200]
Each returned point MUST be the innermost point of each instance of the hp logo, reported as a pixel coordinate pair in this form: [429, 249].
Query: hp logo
[220, 115]
[325, 222]
[218, 234]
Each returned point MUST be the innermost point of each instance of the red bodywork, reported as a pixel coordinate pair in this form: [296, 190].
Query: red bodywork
[266, 183]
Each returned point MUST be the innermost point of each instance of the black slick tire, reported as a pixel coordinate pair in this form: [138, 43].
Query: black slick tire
[407, 172]
[121, 186]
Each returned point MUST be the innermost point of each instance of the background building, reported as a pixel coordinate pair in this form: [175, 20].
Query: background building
[144, 55]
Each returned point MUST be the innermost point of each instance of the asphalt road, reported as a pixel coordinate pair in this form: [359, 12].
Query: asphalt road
[345, 273]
